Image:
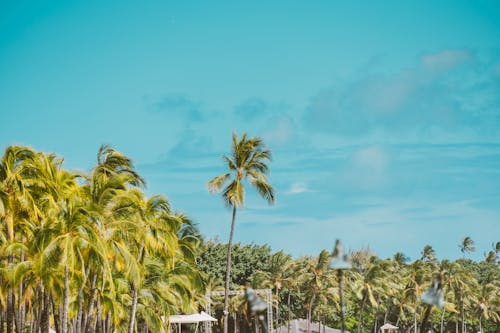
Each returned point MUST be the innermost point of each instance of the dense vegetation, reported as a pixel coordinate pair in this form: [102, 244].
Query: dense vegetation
[376, 290]
[89, 252]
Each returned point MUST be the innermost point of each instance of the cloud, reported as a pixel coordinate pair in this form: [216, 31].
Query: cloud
[445, 59]
[251, 108]
[255, 108]
[297, 188]
[178, 105]
[446, 96]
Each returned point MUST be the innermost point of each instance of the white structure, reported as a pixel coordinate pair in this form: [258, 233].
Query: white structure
[300, 326]
[388, 328]
[196, 318]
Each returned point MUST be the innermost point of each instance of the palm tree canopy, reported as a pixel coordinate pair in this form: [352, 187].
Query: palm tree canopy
[248, 161]
[467, 245]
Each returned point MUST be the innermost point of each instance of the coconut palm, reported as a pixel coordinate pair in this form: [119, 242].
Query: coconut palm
[248, 161]
[372, 283]
[488, 303]
[428, 253]
[462, 282]
[467, 245]
[418, 276]
[16, 202]
[400, 258]
[317, 280]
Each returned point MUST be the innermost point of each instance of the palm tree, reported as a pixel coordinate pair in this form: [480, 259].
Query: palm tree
[248, 161]
[371, 283]
[400, 258]
[15, 202]
[467, 245]
[428, 253]
[317, 281]
[414, 288]
[488, 303]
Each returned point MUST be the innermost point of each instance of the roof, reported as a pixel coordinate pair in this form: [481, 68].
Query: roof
[300, 326]
[388, 326]
[191, 319]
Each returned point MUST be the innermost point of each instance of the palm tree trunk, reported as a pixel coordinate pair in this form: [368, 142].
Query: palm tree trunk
[90, 310]
[228, 272]
[442, 320]
[425, 318]
[133, 309]
[415, 328]
[277, 306]
[309, 313]
[36, 311]
[375, 322]
[45, 315]
[64, 322]
[56, 314]
[11, 309]
[462, 313]
[78, 320]
[98, 326]
[1, 321]
[289, 312]
[361, 309]
[341, 294]
[21, 306]
[11, 303]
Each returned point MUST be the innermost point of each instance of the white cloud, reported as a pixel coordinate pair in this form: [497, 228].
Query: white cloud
[297, 188]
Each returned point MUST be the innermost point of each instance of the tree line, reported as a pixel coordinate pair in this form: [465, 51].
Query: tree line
[376, 290]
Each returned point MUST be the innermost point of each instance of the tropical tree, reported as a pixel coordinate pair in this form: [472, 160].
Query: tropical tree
[428, 253]
[16, 204]
[467, 245]
[247, 162]
[317, 281]
[488, 303]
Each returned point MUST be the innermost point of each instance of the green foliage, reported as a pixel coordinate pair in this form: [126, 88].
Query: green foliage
[90, 250]
[247, 261]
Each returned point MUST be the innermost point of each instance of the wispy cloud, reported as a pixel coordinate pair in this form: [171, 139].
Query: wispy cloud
[176, 105]
[447, 96]
[446, 59]
[298, 188]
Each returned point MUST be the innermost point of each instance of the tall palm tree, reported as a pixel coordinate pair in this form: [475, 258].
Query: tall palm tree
[247, 162]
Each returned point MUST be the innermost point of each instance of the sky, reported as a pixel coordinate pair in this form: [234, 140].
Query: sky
[383, 117]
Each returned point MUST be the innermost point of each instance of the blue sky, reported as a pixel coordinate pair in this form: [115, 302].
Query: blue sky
[383, 118]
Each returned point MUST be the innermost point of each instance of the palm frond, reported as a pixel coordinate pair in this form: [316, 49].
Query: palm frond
[216, 184]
